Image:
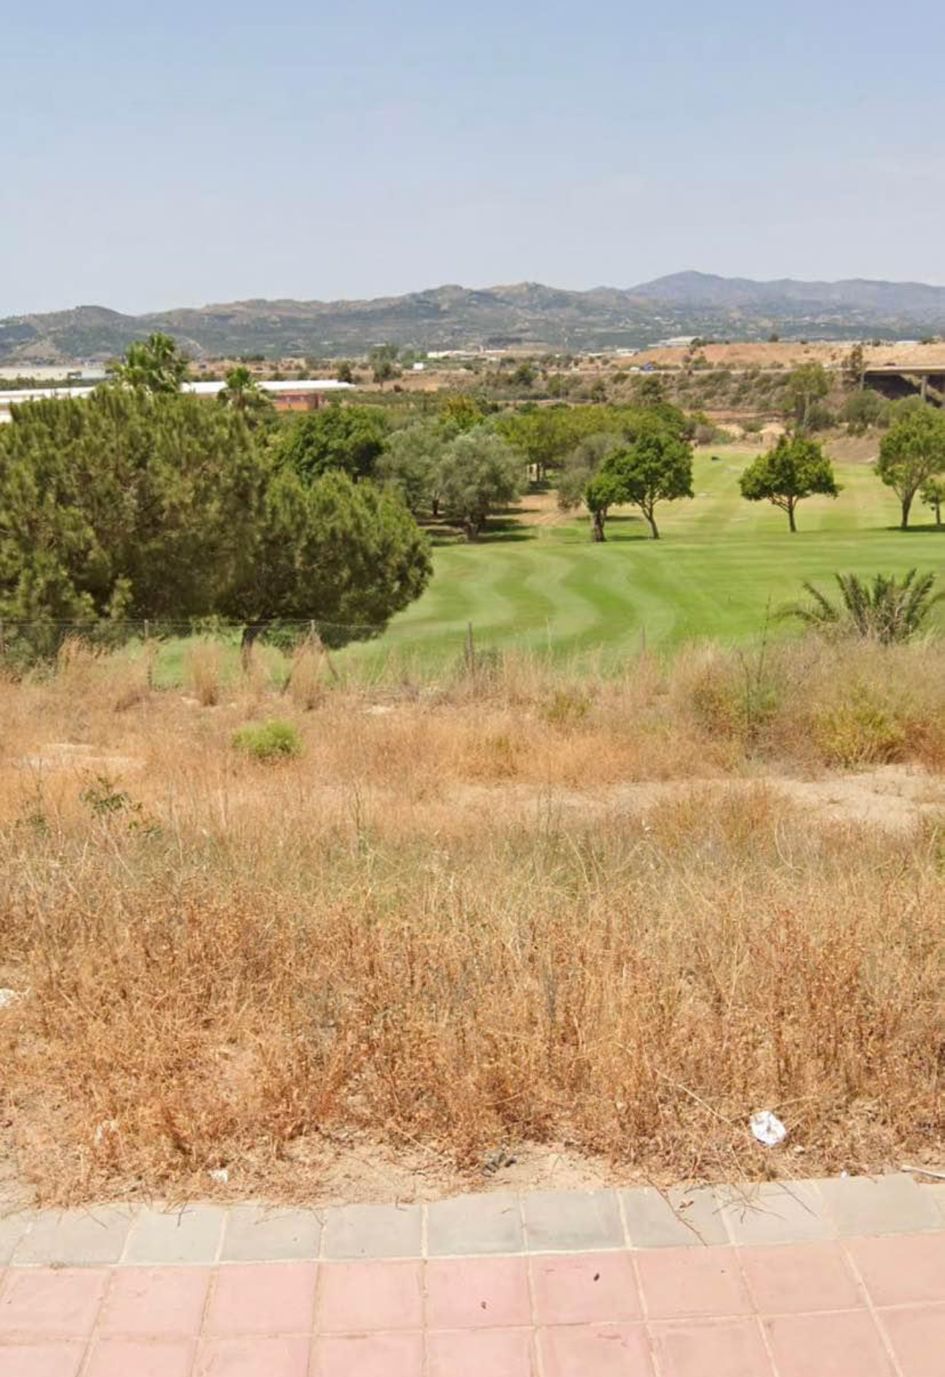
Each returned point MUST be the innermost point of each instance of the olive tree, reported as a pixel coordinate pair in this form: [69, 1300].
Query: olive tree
[477, 473]
[410, 463]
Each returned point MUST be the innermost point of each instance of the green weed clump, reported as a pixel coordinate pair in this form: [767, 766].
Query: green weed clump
[272, 740]
[860, 731]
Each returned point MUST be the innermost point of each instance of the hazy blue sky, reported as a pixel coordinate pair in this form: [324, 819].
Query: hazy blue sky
[204, 152]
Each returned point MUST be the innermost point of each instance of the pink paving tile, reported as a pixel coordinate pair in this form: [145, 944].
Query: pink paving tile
[369, 1355]
[263, 1298]
[140, 1358]
[41, 1360]
[165, 1301]
[476, 1352]
[843, 1343]
[252, 1357]
[598, 1350]
[682, 1282]
[583, 1288]
[917, 1337]
[795, 1278]
[477, 1293]
[51, 1303]
[711, 1348]
[902, 1271]
[356, 1297]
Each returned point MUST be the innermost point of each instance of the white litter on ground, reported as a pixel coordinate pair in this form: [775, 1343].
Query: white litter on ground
[767, 1128]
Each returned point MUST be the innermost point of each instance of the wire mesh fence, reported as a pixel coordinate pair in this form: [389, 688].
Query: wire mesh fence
[168, 646]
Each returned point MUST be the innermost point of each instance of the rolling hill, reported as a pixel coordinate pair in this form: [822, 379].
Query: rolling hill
[524, 314]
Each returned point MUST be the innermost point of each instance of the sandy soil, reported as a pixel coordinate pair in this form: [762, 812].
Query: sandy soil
[790, 353]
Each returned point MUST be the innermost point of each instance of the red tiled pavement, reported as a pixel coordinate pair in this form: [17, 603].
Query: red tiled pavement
[870, 1307]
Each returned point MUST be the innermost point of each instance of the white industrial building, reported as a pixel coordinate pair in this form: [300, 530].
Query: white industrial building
[298, 395]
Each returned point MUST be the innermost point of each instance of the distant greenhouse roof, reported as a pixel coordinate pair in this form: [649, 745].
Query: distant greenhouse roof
[198, 389]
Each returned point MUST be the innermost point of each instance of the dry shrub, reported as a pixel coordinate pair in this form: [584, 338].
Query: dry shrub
[637, 989]
[306, 685]
[432, 927]
[203, 672]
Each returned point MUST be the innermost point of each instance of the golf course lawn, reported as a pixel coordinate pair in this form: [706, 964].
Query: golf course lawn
[721, 564]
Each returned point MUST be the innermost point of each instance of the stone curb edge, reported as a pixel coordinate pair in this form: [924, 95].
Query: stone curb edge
[488, 1224]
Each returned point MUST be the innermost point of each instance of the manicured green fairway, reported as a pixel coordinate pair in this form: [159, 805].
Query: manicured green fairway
[721, 563]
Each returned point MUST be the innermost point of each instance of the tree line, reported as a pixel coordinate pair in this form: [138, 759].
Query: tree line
[143, 503]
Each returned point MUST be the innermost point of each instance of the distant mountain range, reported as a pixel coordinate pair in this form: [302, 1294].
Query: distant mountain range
[527, 313]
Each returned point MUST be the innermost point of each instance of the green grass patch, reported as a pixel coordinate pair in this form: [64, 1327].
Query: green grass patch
[721, 570]
[267, 741]
[722, 567]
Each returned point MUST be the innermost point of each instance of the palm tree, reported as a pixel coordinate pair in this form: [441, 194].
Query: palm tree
[152, 365]
[242, 393]
[884, 608]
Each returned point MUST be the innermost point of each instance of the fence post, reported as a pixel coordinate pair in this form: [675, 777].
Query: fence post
[149, 666]
[470, 648]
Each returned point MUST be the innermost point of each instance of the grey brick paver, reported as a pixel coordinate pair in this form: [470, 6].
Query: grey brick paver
[13, 1227]
[76, 1238]
[257, 1233]
[675, 1218]
[863, 1205]
[776, 1212]
[192, 1234]
[377, 1231]
[569, 1221]
[475, 1224]
[937, 1195]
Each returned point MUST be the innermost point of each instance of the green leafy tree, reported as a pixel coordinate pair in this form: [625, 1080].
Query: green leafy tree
[806, 386]
[655, 467]
[794, 469]
[346, 555]
[241, 392]
[459, 413]
[601, 492]
[581, 465]
[344, 372]
[411, 461]
[545, 435]
[911, 452]
[933, 495]
[383, 362]
[864, 409]
[348, 438]
[477, 473]
[153, 365]
[882, 608]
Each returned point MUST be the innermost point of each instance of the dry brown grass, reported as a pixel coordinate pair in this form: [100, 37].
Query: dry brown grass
[415, 933]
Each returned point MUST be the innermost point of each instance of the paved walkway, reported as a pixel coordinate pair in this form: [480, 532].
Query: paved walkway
[817, 1279]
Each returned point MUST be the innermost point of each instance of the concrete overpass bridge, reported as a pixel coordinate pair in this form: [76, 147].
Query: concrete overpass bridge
[896, 380]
